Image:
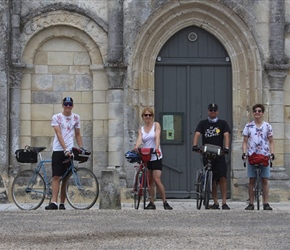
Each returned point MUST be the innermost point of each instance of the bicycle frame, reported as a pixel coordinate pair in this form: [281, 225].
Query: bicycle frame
[140, 188]
[204, 175]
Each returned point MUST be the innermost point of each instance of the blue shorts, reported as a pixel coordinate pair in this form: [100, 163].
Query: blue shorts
[265, 171]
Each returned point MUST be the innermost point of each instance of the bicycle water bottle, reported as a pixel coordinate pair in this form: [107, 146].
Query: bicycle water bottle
[140, 176]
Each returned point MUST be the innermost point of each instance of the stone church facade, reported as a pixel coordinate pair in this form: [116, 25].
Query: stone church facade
[102, 53]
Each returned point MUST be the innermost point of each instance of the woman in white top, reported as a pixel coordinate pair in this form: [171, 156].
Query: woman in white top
[149, 137]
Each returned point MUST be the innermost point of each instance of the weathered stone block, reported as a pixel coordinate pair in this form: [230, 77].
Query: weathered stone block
[60, 58]
[110, 197]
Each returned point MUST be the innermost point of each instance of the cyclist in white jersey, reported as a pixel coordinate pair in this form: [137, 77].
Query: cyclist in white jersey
[66, 125]
[149, 137]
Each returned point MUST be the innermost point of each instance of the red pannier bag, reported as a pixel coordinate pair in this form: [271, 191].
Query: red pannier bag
[257, 159]
[146, 153]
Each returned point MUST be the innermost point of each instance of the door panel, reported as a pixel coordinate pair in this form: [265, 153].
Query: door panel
[189, 76]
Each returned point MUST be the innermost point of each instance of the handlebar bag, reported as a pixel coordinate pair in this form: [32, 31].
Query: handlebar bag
[257, 159]
[26, 155]
[146, 153]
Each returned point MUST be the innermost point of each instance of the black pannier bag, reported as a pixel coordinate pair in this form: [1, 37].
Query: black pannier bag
[26, 155]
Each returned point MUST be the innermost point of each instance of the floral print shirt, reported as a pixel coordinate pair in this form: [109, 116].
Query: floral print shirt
[258, 138]
[67, 125]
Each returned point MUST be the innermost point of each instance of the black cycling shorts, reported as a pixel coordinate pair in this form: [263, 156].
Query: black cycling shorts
[57, 165]
[155, 165]
[219, 167]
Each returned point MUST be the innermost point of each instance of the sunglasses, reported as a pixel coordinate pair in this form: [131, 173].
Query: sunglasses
[212, 110]
[68, 104]
[147, 115]
[257, 111]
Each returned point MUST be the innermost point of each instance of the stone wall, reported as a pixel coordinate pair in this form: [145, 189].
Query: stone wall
[79, 48]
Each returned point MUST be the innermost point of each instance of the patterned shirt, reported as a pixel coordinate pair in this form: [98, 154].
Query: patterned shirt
[258, 138]
[67, 125]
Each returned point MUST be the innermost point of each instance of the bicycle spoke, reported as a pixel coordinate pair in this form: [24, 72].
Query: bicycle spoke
[28, 190]
[137, 191]
[82, 189]
[207, 189]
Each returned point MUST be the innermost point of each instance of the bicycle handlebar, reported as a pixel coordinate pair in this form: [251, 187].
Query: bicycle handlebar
[270, 159]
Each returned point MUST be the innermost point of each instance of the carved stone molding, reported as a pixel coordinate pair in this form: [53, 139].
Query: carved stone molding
[116, 74]
[16, 74]
[277, 74]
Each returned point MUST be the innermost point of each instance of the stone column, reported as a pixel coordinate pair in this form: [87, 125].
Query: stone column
[14, 117]
[115, 70]
[4, 97]
[277, 69]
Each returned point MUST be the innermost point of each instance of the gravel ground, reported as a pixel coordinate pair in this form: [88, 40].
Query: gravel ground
[139, 229]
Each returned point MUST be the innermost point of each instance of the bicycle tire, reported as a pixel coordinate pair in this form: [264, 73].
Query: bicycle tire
[198, 190]
[257, 192]
[144, 187]
[28, 190]
[82, 189]
[137, 191]
[207, 190]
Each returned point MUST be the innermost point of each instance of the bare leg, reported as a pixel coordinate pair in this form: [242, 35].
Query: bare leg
[265, 188]
[151, 186]
[223, 186]
[214, 192]
[157, 180]
[251, 190]
[62, 191]
[55, 188]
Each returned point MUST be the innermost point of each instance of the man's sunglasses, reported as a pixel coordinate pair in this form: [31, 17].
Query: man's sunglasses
[257, 111]
[212, 110]
[68, 104]
[147, 115]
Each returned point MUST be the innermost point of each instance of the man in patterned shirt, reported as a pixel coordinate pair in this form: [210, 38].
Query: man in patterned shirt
[258, 138]
[66, 125]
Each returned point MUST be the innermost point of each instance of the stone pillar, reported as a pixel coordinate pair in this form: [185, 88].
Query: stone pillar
[110, 197]
[4, 97]
[15, 95]
[277, 70]
[116, 71]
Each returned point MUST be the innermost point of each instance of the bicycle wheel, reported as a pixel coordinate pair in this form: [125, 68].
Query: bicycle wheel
[257, 192]
[28, 190]
[137, 189]
[82, 189]
[198, 189]
[207, 190]
[144, 182]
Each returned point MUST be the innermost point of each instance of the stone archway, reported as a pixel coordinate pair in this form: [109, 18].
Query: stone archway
[86, 33]
[229, 29]
[218, 20]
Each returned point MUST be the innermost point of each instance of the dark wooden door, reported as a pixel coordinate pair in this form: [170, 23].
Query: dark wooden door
[192, 70]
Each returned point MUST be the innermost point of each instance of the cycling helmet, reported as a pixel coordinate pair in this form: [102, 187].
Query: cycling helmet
[133, 156]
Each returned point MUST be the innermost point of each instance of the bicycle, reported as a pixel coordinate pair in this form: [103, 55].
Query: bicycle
[141, 178]
[258, 189]
[203, 184]
[30, 187]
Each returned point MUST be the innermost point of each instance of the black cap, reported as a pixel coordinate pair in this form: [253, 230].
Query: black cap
[67, 99]
[212, 106]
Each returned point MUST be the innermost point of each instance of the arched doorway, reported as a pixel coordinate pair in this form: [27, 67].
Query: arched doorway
[192, 70]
